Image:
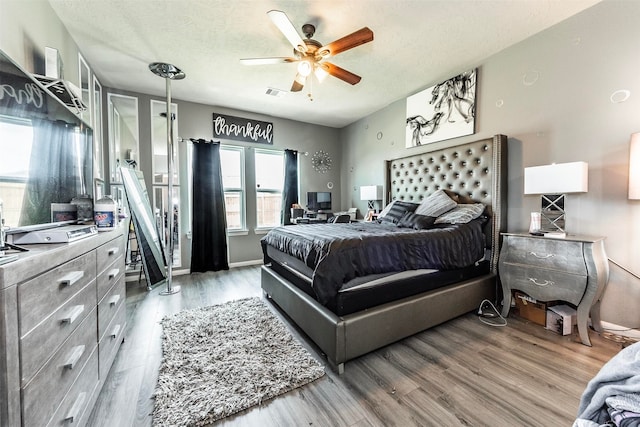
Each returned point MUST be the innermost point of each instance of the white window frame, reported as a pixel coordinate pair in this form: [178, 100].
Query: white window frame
[240, 190]
[259, 228]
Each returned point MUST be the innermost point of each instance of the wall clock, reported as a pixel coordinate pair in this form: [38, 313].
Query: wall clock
[321, 161]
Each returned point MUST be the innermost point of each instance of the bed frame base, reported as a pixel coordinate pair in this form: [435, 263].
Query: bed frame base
[342, 338]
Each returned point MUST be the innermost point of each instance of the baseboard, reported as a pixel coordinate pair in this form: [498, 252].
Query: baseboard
[246, 263]
[623, 331]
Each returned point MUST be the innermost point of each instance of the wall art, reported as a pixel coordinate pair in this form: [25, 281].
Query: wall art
[241, 129]
[442, 111]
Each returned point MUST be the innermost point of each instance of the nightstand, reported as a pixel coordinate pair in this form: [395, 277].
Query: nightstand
[572, 269]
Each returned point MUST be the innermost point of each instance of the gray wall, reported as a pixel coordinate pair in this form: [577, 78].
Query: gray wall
[566, 116]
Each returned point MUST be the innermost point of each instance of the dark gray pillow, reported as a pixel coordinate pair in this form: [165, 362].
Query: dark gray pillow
[436, 204]
[397, 211]
[461, 214]
[416, 221]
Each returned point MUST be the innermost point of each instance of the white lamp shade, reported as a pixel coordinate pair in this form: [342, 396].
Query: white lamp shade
[371, 192]
[559, 178]
[634, 167]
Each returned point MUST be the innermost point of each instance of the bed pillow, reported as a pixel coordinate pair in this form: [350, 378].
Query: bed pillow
[416, 221]
[461, 214]
[396, 211]
[436, 204]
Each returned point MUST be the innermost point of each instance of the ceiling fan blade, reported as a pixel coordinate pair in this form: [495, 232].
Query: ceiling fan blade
[298, 83]
[362, 36]
[267, 61]
[340, 73]
[280, 19]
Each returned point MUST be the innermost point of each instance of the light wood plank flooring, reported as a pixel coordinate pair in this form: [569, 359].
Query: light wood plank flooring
[461, 373]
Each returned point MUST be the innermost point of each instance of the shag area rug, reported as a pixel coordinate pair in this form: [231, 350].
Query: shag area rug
[222, 359]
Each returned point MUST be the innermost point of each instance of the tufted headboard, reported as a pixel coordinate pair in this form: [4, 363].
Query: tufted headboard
[475, 171]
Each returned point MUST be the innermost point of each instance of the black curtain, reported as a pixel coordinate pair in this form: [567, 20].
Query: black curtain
[209, 242]
[54, 170]
[290, 189]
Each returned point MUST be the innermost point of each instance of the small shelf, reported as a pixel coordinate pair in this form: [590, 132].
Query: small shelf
[64, 91]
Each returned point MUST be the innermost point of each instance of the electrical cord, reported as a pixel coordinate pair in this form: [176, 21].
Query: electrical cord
[490, 312]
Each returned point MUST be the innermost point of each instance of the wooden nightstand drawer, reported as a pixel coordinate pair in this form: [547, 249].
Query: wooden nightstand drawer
[109, 252]
[41, 296]
[548, 253]
[43, 394]
[108, 307]
[75, 405]
[110, 276]
[110, 343]
[544, 284]
[38, 345]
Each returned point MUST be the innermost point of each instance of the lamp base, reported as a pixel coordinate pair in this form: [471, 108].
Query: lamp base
[371, 204]
[552, 212]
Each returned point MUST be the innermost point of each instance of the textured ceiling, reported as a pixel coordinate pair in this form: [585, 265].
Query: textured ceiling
[417, 43]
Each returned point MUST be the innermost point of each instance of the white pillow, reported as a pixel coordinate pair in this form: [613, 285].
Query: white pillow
[436, 204]
[461, 214]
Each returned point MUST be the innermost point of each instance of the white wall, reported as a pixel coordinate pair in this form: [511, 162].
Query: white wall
[566, 116]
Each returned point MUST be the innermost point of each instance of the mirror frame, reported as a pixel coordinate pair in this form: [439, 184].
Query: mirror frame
[145, 226]
[84, 80]
[116, 119]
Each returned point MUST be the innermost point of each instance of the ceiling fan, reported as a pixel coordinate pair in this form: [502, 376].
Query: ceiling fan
[310, 54]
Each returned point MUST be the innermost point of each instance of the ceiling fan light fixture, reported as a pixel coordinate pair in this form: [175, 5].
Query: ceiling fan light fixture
[305, 67]
[321, 73]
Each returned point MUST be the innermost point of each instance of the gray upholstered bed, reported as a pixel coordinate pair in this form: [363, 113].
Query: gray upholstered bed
[474, 171]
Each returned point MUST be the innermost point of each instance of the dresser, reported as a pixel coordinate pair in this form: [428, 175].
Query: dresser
[574, 269]
[62, 320]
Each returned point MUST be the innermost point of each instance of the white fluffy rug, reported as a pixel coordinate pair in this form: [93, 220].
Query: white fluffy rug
[222, 359]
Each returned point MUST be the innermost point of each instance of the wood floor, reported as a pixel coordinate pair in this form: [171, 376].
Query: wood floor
[461, 373]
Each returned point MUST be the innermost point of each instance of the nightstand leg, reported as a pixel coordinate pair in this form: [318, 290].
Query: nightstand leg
[583, 318]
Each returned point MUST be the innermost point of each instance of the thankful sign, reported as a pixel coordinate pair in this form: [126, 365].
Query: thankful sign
[240, 129]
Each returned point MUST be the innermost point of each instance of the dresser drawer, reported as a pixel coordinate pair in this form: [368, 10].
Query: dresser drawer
[110, 276]
[548, 253]
[38, 345]
[545, 284]
[108, 307]
[43, 295]
[42, 395]
[111, 341]
[109, 252]
[74, 408]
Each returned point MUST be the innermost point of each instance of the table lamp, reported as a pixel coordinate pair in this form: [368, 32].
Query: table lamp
[552, 182]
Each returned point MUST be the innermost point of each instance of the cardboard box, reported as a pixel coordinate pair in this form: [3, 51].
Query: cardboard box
[561, 319]
[531, 309]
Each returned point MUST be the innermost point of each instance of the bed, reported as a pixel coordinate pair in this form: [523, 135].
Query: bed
[325, 280]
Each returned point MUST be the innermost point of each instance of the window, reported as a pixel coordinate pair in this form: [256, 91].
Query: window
[269, 184]
[232, 164]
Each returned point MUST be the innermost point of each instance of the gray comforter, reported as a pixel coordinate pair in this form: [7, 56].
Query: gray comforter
[341, 252]
[615, 390]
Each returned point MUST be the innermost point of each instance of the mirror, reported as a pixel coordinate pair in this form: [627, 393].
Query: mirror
[123, 133]
[85, 88]
[145, 226]
[160, 170]
[98, 158]
[46, 149]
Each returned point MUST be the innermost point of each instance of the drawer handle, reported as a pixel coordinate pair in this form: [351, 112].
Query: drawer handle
[116, 331]
[114, 299]
[544, 256]
[74, 412]
[76, 354]
[113, 273]
[113, 251]
[545, 283]
[71, 278]
[73, 314]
